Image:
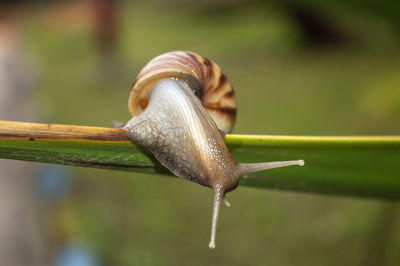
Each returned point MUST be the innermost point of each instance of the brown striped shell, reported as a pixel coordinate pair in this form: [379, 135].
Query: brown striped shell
[203, 76]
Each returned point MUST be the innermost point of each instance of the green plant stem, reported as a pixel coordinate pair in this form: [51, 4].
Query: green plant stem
[354, 166]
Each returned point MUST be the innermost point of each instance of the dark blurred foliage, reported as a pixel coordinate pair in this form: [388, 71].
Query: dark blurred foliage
[319, 21]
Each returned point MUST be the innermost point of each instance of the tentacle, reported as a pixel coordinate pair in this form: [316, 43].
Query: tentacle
[219, 194]
[247, 168]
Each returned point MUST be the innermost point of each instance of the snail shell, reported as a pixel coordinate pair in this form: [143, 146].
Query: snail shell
[203, 76]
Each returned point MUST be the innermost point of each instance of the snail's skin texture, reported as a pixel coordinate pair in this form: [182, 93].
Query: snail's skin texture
[180, 133]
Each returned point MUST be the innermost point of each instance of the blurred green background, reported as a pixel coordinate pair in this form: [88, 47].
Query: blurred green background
[298, 68]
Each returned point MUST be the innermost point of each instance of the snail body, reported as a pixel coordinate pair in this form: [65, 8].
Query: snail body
[172, 120]
[177, 138]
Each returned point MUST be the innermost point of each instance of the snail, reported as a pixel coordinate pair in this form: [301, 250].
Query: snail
[182, 106]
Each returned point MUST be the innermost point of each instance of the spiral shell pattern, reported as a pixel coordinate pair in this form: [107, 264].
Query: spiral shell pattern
[203, 76]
